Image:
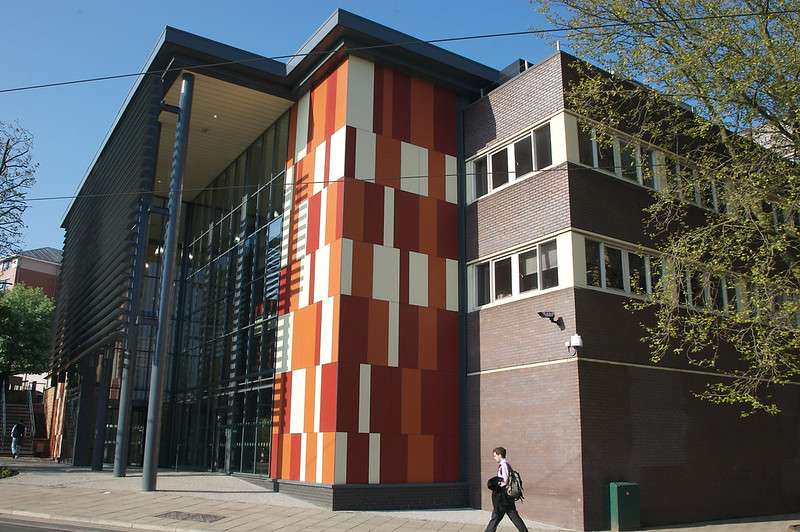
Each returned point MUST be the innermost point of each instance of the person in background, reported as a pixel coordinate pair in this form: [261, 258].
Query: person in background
[17, 433]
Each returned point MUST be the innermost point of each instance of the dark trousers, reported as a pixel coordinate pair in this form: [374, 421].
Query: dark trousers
[503, 507]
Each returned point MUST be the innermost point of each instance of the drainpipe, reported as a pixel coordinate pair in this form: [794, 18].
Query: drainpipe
[158, 363]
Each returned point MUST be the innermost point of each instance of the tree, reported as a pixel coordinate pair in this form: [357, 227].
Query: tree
[17, 175]
[736, 66]
[26, 316]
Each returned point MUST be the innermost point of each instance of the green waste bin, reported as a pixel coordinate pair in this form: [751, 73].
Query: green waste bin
[623, 499]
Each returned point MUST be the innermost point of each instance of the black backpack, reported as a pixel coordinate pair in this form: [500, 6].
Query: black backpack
[514, 486]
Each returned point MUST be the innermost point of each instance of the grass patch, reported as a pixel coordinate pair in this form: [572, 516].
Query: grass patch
[6, 472]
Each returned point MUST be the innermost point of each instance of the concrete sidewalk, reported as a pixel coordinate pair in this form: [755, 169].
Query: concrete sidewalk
[200, 501]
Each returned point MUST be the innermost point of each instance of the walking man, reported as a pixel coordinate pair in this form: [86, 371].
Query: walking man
[502, 504]
[17, 433]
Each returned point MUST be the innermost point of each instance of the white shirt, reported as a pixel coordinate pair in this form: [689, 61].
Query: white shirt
[502, 471]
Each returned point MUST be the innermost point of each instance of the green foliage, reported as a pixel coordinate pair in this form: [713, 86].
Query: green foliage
[26, 316]
[740, 76]
[6, 472]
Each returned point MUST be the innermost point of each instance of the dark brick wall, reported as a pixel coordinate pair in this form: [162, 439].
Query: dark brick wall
[520, 102]
[45, 281]
[529, 209]
[534, 413]
[694, 461]
[512, 334]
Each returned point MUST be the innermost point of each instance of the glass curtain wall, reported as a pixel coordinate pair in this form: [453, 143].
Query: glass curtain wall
[219, 400]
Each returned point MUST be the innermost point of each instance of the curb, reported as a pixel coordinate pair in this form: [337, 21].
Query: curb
[98, 521]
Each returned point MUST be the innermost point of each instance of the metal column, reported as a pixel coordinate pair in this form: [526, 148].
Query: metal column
[158, 362]
[106, 361]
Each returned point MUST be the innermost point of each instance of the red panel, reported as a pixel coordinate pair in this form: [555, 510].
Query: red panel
[373, 213]
[394, 458]
[362, 269]
[357, 458]
[446, 458]
[434, 411]
[447, 340]
[294, 471]
[285, 408]
[327, 400]
[447, 228]
[330, 106]
[385, 400]
[401, 108]
[408, 331]
[404, 276]
[406, 227]
[436, 169]
[444, 122]
[377, 99]
[353, 321]
[284, 291]
[350, 152]
[312, 223]
[347, 398]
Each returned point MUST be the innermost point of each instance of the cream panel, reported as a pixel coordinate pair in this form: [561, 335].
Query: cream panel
[301, 137]
[394, 334]
[364, 393]
[346, 279]
[326, 332]
[319, 167]
[322, 263]
[451, 284]
[360, 82]
[374, 458]
[386, 273]
[283, 342]
[340, 462]
[417, 279]
[558, 139]
[388, 216]
[337, 155]
[365, 155]
[298, 401]
[450, 179]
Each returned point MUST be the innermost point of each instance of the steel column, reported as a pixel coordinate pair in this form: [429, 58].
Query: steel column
[158, 363]
[106, 361]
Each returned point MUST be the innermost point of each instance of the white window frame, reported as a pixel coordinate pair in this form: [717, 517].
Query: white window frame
[626, 270]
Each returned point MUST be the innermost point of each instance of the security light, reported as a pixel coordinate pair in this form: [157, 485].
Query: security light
[550, 315]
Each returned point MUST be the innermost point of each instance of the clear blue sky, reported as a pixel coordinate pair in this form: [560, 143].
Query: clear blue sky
[54, 41]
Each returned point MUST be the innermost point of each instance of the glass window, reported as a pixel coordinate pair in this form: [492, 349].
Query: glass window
[528, 271]
[613, 263]
[549, 264]
[705, 195]
[718, 293]
[638, 274]
[585, 149]
[281, 145]
[502, 278]
[648, 168]
[628, 161]
[499, 169]
[544, 154]
[482, 274]
[605, 153]
[698, 289]
[277, 190]
[593, 263]
[523, 157]
[730, 294]
[656, 272]
[481, 186]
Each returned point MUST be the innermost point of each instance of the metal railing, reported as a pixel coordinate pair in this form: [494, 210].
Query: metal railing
[3, 399]
[30, 409]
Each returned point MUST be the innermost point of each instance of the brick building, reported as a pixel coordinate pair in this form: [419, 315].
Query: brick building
[34, 267]
[369, 236]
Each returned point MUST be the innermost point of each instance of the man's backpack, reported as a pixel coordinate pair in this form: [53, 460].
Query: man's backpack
[514, 486]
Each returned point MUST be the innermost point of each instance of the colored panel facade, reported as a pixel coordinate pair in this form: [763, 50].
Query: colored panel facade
[368, 391]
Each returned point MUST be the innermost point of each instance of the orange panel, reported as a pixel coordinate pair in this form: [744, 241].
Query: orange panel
[308, 421]
[436, 183]
[311, 457]
[304, 337]
[332, 212]
[362, 269]
[437, 283]
[427, 334]
[378, 333]
[420, 458]
[387, 161]
[353, 215]
[328, 457]
[428, 230]
[341, 96]
[411, 401]
[421, 113]
[335, 271]
[286, 456]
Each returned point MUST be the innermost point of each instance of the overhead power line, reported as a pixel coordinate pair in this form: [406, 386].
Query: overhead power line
[608, 25]
[299, 183]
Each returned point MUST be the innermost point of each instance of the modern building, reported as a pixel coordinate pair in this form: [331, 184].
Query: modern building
[369, 234]
[38, 267]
